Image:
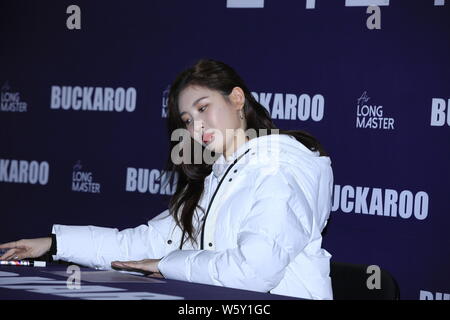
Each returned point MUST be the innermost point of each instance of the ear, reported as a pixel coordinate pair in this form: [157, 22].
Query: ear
[237, 98]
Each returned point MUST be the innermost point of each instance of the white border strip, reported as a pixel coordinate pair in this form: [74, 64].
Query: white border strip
[245, 3]
[366, 3]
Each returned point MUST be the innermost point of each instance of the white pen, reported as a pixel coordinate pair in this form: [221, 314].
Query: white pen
[23, 263]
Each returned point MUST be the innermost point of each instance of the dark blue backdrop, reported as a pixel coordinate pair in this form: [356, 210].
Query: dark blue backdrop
[391, 201]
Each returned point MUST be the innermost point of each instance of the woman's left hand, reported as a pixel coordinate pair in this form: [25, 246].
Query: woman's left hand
[146, 266]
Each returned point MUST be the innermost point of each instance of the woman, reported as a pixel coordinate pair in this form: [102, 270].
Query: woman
[248, 215]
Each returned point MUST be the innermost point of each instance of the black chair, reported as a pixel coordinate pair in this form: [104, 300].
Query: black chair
[349, 282]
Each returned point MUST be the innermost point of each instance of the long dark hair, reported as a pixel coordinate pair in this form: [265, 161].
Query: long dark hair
[214, 75]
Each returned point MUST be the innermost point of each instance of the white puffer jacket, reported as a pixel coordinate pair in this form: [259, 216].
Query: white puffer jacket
[262, 231]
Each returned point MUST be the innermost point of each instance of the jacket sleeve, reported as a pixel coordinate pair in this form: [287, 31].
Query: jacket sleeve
[97, 247]
[276, 228]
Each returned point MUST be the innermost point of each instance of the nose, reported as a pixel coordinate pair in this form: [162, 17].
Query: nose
[199, 128]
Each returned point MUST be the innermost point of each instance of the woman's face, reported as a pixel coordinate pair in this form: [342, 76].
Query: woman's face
[210, 119]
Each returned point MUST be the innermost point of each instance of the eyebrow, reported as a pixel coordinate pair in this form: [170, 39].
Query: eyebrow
[195, 102]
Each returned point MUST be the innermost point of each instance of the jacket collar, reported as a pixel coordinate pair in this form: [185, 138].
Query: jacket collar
[221, 164]
[267, 147]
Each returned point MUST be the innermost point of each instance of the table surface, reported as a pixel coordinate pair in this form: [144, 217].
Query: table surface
[56, 282]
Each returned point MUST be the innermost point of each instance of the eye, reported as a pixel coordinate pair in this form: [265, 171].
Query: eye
[187, 122]
[203, 108]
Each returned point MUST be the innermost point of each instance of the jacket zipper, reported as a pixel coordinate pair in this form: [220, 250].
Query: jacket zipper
[212, 199]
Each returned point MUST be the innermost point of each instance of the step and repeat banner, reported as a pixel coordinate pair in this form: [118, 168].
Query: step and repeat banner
[84, 88]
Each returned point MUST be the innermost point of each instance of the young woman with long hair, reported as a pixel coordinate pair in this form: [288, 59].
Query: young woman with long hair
[250, 204]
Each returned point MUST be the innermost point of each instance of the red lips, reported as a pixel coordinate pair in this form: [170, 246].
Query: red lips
[207, 137]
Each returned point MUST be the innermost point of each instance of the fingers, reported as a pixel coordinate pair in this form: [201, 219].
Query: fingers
[6, 254]
[157, 275]
[118, 264]
[14, 244]
[125, 264]
[19, 256]
[15, 254]
[138, 266]
[9, 255]
[8, 245]
[17, 250]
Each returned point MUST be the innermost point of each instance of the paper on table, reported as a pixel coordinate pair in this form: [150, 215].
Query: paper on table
[109, 276]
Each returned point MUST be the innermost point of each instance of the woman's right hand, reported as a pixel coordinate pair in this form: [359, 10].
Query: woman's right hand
[27, 248]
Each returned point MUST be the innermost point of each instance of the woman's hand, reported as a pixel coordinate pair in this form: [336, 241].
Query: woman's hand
[28, 248]
[146, 266]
